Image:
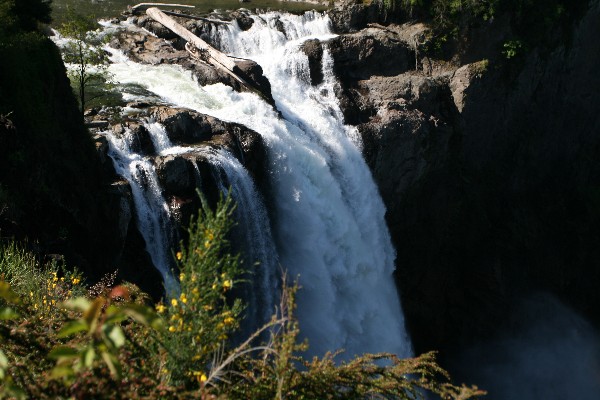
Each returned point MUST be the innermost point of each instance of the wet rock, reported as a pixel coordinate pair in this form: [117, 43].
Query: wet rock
[314, 51]
[252, 72]
[138, 136]
[243, 20]
[157, 28]
[102, 148]
[189, 127]
[186, 126]
[176, 175]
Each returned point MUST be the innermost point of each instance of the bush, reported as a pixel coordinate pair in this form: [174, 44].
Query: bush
[108, 343]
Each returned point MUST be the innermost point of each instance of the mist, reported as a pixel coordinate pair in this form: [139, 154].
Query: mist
[547, 351]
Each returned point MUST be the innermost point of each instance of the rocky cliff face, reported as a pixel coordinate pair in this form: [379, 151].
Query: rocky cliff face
[489, 176]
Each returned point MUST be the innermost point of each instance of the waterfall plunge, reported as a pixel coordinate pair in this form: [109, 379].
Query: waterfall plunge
[328, 219]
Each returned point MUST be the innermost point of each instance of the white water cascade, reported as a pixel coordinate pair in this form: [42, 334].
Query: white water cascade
[152, 211]
[328, 218]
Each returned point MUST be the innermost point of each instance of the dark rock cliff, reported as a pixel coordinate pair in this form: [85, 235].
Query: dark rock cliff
[56, 194]
[489, 172]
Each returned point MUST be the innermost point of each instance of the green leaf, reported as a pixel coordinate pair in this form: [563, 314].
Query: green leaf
[114, 315]
[115, 334]
[8, 313]
[77, 304]
[142, 314]
[88, 356]
[8, 294]
[3, 360]
[73, 327]
[112, 363]
[63, 371]
[63, 352]
[91, 314]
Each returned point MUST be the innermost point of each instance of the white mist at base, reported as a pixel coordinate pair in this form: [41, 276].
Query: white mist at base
[328, 220]
[545, 351]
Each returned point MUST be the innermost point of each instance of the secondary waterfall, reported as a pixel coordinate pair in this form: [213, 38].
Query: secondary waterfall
[152, 211]
[328, 218]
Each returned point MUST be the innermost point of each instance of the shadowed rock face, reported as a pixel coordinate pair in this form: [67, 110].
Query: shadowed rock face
[490, 179]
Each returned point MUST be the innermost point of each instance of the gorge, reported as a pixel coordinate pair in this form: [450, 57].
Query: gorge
[487, 169]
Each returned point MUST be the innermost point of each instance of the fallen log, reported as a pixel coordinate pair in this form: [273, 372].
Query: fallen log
[209, 54]
[222, 60]
[144, 6]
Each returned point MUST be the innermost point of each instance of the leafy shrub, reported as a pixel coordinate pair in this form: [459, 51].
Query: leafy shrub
[115, 346]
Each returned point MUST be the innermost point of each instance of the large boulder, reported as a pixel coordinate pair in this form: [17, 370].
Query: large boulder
[176, 175]
[186, 126]
[314, 51]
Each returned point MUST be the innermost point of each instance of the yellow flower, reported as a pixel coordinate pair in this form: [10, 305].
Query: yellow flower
[207, 244]
[227, 284]
[174, 302]
[229, 320]
[207, 307]
[160, 308]
[182, 277]
[179, 255]
[76, 281]
[200, 376]
[172, 328]
[183, 298]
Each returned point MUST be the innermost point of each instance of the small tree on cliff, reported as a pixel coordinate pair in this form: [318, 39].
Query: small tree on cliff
[88, 73]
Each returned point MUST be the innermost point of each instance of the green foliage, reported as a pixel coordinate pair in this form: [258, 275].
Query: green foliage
[109, 343]
[201, 318]
[100, 322]
[88, 69]
[511, 48]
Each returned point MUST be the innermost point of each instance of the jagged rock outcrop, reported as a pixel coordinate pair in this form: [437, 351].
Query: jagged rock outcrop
[185, 126]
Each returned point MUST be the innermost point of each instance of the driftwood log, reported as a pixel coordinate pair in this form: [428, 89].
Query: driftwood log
[199, 49]
[214, 57]
[144, 6]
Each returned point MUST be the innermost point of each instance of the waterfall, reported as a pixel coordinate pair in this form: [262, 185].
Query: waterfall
[153, 217]
[328, 218]
[151, 209]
